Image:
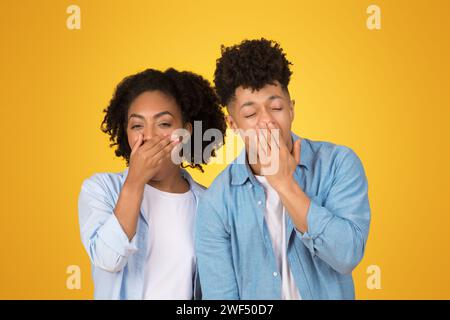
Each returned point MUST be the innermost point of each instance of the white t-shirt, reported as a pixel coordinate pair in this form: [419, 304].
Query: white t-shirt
[275, 218]
[170, 266]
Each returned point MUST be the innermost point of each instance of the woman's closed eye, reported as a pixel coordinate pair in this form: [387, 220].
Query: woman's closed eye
[165, 125]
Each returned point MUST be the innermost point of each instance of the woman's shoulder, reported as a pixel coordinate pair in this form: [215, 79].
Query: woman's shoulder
[104, 182]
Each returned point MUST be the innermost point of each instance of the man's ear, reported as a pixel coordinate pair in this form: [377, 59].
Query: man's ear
[292, 109]
[231, 123]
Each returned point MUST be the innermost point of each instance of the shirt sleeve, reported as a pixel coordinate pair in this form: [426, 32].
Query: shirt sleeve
[338, 226]
[102, 235]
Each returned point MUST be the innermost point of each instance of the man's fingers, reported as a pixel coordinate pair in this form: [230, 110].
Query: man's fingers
[274, 136]
[263, 132]
[253, 148]
[297, 151]
[262, 149]
[262, 139]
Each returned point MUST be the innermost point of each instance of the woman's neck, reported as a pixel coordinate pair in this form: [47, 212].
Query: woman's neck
[173, 183]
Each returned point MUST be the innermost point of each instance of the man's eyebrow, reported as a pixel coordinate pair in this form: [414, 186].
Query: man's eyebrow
[246, 104]
[273, 97]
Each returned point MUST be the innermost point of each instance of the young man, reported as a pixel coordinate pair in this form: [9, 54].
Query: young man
[295, 232]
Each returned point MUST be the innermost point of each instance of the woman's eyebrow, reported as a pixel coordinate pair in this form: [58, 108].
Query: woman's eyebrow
[135, 115]
[160, 114]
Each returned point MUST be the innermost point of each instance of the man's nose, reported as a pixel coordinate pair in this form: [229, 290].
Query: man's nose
[265, 118]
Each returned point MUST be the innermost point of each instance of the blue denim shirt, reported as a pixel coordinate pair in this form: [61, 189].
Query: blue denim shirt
[117, 264]
[234, 251]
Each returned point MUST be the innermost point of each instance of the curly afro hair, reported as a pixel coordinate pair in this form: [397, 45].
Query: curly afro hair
[192, 93]
[250, 64]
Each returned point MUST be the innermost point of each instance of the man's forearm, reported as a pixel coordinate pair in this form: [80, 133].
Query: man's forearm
[296, 203]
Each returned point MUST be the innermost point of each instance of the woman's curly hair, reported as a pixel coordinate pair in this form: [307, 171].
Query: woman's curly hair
[191, 92]
[250, 64]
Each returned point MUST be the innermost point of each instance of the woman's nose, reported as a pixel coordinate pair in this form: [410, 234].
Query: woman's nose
[148, 133]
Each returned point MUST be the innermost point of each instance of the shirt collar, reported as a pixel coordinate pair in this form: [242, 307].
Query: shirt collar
[241, 171]
[196, 188]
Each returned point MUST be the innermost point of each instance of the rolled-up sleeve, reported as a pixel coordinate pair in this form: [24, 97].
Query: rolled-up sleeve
[102, 235]
[338, 225]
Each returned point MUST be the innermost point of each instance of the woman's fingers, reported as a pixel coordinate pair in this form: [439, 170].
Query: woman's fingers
[137, 144]
[156, 144]
[168, 149]
[160, 153]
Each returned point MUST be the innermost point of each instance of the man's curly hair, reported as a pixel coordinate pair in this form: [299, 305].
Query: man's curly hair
[250, 64]
[191, 92]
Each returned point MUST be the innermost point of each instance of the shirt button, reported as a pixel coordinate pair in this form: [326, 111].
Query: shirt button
[259, 203]
[275, 274]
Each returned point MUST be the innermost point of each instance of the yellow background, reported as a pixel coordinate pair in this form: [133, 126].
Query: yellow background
[383, 93]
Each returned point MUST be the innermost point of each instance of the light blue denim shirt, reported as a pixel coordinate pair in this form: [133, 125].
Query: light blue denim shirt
[234, 251]
[118, 264]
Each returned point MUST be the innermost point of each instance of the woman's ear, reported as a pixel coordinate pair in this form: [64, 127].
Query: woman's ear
[188, 127]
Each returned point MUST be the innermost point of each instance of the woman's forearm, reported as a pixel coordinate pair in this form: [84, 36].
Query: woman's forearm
[128, 207]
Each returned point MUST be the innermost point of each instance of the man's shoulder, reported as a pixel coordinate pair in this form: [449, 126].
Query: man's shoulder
[324, 150]
[221, 183]
[332, 159]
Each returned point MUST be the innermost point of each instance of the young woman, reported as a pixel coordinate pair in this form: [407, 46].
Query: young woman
[137, 226]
